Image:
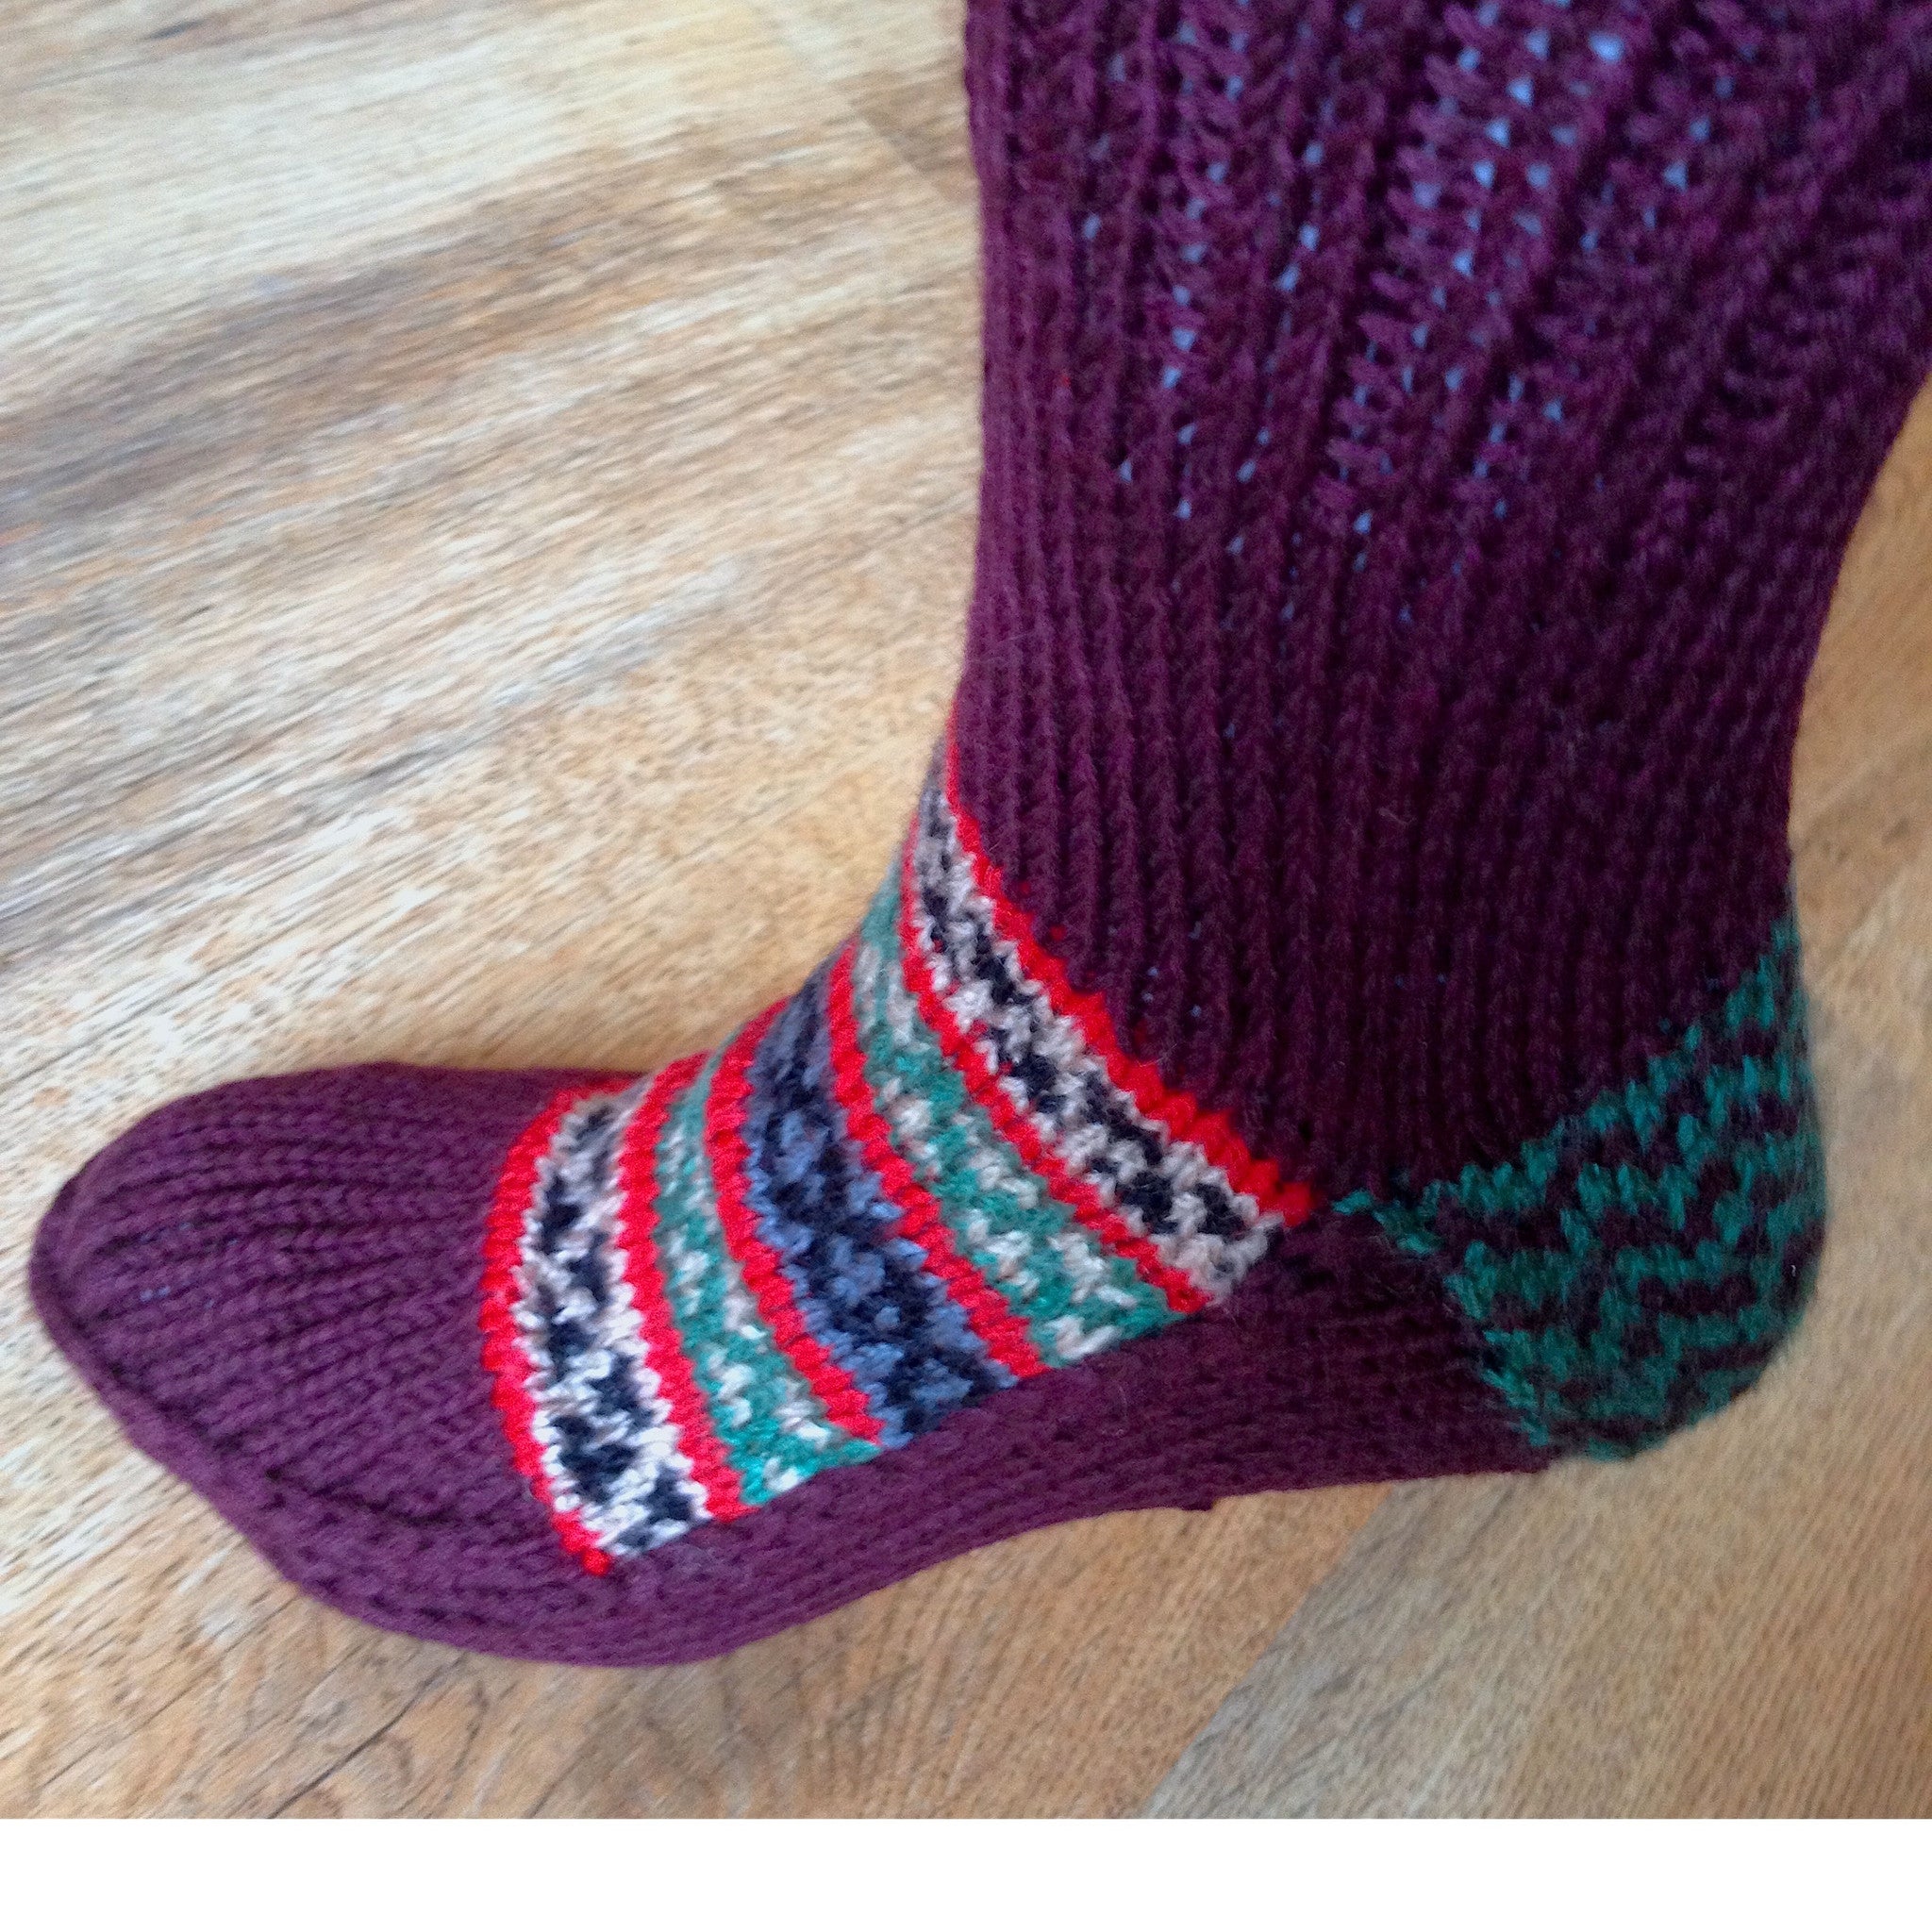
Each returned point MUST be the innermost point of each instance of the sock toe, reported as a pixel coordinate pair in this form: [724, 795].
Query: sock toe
[273, 1284]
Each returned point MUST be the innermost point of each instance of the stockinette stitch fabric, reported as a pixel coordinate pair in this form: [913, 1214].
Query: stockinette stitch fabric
[1337, 1014]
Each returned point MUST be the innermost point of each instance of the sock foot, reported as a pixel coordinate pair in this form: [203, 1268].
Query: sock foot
[631, 1371]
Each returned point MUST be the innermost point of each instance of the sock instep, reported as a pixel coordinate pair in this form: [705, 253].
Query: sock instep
[922, 1179]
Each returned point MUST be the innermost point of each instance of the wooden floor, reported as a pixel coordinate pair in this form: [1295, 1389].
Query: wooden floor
[486, 502]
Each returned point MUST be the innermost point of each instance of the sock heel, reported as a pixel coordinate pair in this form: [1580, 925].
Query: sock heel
[1637, 1267]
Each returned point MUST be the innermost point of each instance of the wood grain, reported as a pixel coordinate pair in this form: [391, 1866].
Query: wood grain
[486, 504]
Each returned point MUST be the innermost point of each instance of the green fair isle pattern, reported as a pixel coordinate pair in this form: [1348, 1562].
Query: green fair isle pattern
[1637, 1267]
[767, 1419]
[911, 1186]
[1074, 1297]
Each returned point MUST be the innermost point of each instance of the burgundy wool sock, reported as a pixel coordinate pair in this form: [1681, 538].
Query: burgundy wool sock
[1337, 1016]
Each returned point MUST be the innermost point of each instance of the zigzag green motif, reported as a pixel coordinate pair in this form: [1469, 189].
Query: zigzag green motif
[984, 1190]
[770, 1425]
[1607, 1318]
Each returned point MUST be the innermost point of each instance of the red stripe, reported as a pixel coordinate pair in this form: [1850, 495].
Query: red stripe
[1213, 1133]
[504, 1358]
[1004, 1332]
[764, 1274]
[644, 1276]
[1072, 1190]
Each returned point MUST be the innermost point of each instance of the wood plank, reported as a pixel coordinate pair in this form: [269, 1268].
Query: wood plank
[1741, 1621]
[1056, 1674]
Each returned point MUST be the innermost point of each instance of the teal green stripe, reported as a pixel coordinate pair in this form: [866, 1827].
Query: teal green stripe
[988, 1197]
[1653, 1104]
[1622, 1384]
[1537, 1279]
[770, 1425]
[1670, 1193]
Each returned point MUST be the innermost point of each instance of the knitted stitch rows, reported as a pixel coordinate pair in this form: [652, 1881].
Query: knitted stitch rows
[1419, 444]
[913, 1184]
[1636, 1267]
[772, 1427]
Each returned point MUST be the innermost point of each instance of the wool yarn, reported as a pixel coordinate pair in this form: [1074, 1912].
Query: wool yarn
[1337, 1014]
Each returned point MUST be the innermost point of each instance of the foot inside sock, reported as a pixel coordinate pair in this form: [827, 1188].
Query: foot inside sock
[920, 1259]
[1418, 447]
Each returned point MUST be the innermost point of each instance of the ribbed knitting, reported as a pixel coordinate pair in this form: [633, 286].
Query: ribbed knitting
[1420, 443]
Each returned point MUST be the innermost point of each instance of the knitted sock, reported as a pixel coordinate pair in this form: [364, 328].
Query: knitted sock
[1337, 1016]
